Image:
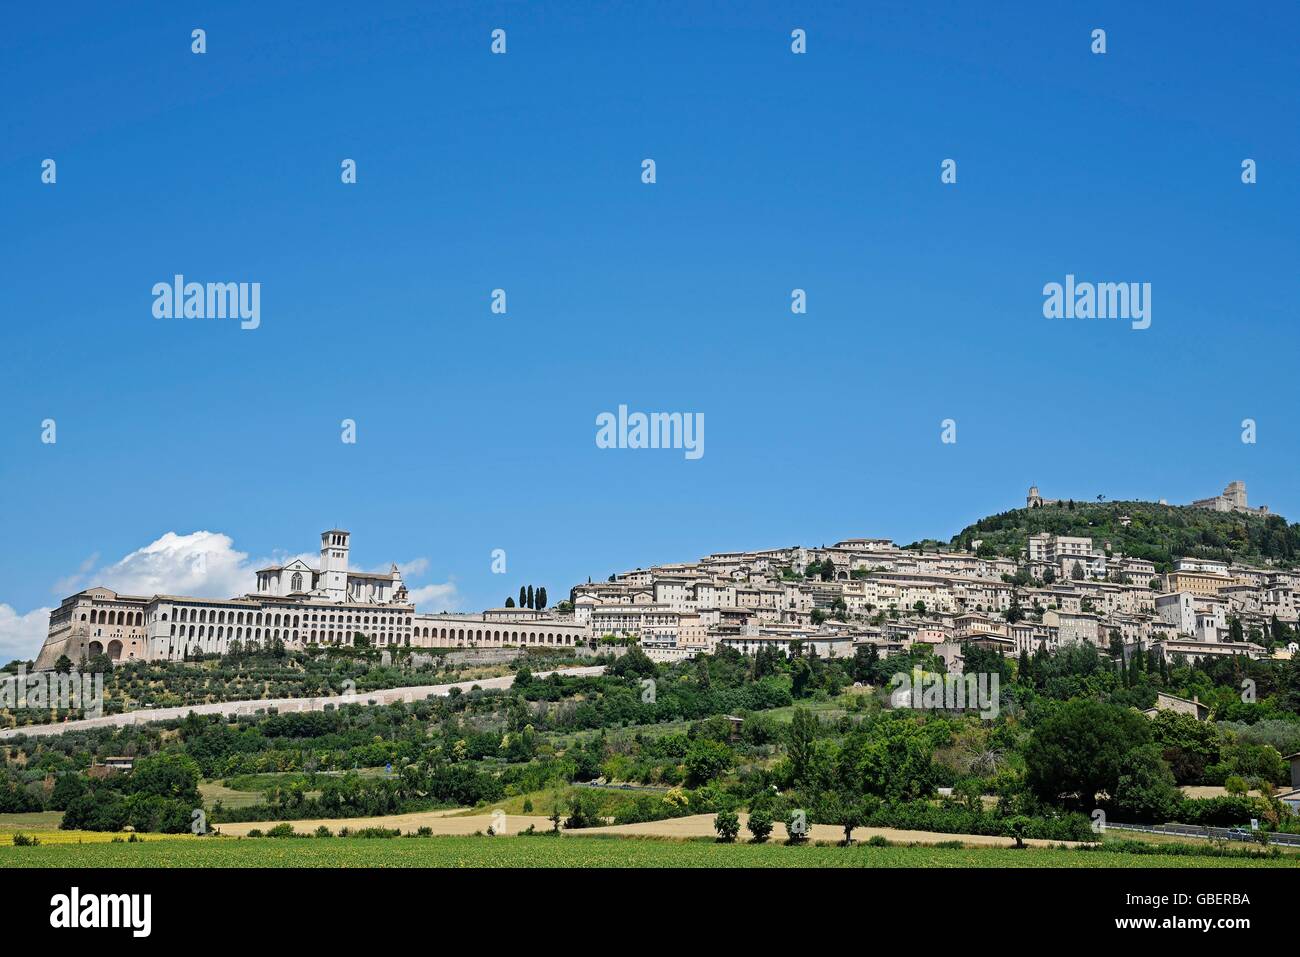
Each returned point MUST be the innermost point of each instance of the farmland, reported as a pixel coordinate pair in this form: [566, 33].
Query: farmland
[570, 851]
[725, 743]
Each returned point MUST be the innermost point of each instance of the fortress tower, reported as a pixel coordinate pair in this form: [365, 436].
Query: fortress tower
[1034, 500]
[334, 564]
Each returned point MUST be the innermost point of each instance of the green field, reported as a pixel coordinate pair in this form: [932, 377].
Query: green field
[30, 821]
[568, 851]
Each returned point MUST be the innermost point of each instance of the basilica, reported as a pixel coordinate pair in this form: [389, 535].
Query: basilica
[294, 604]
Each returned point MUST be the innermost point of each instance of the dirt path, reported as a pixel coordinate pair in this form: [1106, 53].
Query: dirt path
[697, 825]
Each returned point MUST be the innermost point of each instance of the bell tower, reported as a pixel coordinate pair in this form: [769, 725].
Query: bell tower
[334, 564]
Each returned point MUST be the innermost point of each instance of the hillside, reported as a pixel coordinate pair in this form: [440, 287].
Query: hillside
[1159, 533]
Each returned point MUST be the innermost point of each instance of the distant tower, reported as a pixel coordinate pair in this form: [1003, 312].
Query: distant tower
[1033, 499]
[334, 564]
[1235, 493]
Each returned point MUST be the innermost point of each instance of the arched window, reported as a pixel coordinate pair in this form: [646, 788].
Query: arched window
[296, 583]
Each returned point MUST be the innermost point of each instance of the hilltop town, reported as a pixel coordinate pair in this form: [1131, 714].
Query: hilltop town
[1049, 591]
[1207, 580]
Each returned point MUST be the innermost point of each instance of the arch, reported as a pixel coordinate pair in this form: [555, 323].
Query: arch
[95, 648]
[115, 649]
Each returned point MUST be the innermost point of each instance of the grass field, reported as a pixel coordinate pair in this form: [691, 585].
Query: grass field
[567, 851]
[44, 826]
[30, 821]
[213, 791]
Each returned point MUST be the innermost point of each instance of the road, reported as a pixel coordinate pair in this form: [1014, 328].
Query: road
[283, 705]
[1207, 833]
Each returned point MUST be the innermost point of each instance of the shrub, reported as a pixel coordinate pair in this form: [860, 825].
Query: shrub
[760, 824]
[727, 824]
[1217, 811]
[583, 812]
[796, 827]
[377, 832]
[24, 840]
[1018, 827]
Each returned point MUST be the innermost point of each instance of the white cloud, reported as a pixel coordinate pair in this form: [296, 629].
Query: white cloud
[443, 597]
[21, 636]
[414, 568]
[200, 564]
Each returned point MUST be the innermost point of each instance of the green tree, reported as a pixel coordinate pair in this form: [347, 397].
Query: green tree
[1018, 827]
[760, 823]
[1187, 745]
[801, 745]
[705, 760]
[170, 774]
[1078, 748]
[67, 788]
[865, 659]
[846, 810]
[892, 757]
[727, 824]
[1144, 787]
[1234, 629]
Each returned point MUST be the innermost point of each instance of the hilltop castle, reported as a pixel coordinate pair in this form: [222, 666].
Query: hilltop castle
[1233, 499]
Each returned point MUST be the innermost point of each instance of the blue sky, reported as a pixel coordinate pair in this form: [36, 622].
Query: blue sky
[775, 171]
